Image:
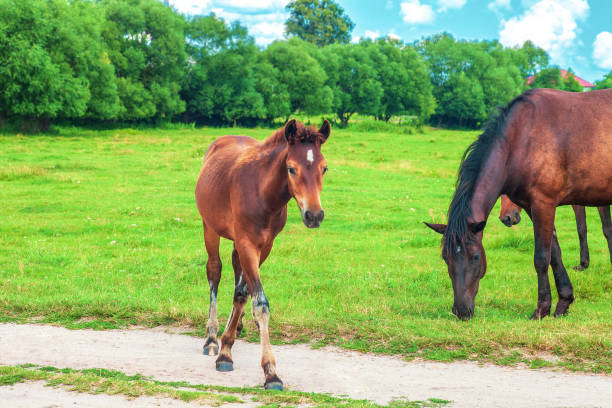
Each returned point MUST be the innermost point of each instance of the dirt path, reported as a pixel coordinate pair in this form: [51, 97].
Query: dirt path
[379, 378]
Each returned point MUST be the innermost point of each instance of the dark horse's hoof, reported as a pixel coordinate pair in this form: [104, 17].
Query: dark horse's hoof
[580, 267]
[563, 306]
[225, 365]
[211, 350]
[274, 385]
[541, 312]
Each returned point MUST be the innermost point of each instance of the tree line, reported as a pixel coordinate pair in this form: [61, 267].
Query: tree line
[140, 61]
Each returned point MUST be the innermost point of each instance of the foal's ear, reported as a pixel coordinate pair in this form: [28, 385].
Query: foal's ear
[439, 228]
[476, 227]
[291, 131]
[325, 131]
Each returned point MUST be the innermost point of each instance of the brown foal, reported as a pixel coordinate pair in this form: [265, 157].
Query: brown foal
[242, 194]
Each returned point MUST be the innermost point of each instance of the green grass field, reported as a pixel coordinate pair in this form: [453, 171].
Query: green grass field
[100, 229]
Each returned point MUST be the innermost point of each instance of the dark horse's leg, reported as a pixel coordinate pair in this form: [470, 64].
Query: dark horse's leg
[562, 280]
[581, 225]
[213, 273]
[543, 217]
[606, 225]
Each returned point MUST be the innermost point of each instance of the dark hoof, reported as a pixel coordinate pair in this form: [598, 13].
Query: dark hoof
[563, 306]
[225, 366]
[274, 385]
[211, 350]
[580, 267]
[540, 314]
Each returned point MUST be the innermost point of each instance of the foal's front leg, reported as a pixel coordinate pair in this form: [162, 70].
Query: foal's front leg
[250, 258]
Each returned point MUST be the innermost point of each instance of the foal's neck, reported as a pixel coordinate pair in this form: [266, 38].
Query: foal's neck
[490, 183]
[275, 184]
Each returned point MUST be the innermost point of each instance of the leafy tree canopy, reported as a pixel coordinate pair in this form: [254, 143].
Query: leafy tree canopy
[320, 22]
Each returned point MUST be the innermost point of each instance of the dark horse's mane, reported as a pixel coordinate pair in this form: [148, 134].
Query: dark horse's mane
[471, 163]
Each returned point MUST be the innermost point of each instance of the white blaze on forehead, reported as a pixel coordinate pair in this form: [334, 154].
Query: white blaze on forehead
[309, 156]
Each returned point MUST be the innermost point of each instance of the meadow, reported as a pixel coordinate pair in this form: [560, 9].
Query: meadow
[99, 228]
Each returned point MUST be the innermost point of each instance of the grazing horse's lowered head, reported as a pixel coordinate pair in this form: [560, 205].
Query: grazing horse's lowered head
[467, 264]
[305, 168]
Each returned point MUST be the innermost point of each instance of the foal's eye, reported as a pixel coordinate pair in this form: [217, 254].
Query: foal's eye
[324, 169]
[476, 257]
[291, 170]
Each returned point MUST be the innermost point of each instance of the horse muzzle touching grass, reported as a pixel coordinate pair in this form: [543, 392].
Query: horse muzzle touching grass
[288, 164]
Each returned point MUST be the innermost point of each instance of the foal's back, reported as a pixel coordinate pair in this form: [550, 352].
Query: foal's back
[214, 182]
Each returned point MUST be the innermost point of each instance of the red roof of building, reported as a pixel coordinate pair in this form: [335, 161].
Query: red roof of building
[582, 82]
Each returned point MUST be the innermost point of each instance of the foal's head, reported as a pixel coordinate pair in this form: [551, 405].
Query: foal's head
[306, 167]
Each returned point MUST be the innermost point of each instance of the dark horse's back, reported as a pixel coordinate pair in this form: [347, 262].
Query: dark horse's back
[562, 145]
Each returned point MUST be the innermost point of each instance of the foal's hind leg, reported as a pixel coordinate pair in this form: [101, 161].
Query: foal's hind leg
[606, 225]
[234, 323]
[581, 225]
[213, 273]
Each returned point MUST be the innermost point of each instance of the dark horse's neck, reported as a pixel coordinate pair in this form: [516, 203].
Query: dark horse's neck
[490, 182]
[481, 180]
[275, 184]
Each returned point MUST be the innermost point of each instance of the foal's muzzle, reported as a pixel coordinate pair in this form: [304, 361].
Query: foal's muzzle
[512, 219]
[312, 220]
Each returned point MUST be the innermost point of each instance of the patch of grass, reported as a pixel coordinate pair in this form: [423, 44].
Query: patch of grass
[106, 234]
[112, 382]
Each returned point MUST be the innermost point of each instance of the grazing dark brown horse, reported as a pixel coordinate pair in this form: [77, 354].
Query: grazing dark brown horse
[510, 214]
[546, 148]
[242, 194]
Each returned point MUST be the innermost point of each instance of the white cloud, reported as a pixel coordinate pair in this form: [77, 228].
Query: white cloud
[372, 35]
[190, 6]
[394, 36]
[602, 50]
[252, 4]
[266, 32]
[497, 5]
[414, 12]
[450, 4]
[550, 24]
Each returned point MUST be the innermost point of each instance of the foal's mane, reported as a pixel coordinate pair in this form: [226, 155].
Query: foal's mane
[475, 155]
[305, 134]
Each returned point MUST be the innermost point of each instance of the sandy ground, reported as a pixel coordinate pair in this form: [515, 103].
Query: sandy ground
[37, 395]
[329, 370]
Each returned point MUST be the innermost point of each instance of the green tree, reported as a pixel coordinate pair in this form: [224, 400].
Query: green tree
[404, 78]
[353, 80]
[145, 43]
[605, 83]
[484, 73]
[320, 22]
[570, 83]
[221, 83]
[52, 62]
[300, 72]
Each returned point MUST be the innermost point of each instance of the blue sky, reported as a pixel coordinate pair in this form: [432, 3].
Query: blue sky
[575, 33]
